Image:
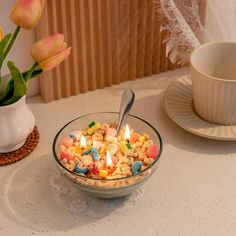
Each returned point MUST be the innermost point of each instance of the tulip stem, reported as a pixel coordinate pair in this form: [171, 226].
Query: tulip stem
[13, 38]
[28, 75]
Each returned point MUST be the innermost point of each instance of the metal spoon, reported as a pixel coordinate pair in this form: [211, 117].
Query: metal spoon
[127, 101]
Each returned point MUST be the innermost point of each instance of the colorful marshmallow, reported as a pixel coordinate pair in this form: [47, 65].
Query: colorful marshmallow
[112, 148]
[125, 147]
[136, 167]
[103, 173]
[67, 141]
[80, 169]
[95, 154]
[94, 169]
[93, 127]
[67, 154]
[152, 151]
[86, 152]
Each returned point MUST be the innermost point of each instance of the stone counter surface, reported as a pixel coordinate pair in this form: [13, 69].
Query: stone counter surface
[193, 192]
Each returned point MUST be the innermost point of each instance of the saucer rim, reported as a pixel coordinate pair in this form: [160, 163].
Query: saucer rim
[191, 130]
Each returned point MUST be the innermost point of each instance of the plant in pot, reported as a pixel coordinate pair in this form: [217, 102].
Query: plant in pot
[16, 119]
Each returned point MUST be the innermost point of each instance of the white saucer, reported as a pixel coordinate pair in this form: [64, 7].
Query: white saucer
[179, 107]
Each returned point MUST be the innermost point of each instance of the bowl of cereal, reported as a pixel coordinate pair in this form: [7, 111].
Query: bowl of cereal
[100, 162]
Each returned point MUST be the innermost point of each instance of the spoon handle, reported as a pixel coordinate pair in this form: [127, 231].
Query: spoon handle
[127, 101]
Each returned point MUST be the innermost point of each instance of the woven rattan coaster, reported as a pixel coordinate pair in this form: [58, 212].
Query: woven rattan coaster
[30, 144]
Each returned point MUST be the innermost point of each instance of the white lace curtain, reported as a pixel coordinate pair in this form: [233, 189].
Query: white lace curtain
[186, 31]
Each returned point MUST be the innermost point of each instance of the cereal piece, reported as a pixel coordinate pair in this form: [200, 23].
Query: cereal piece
[143, 167]
[116, 172]
[131, 160]
[111, 132]
[75, 159]
[135, 154]
[97, 137]
[136, 137]
[111, 139]
[67, 141]
[135, 168]
[105, 126]
[152, 151]
[130, 153]
[72, 149]
[84, 132]
[97, 144]
[67, 154]
[146, 136]
[71, 162]
[64, 161]
[86, 160]
[128, 173]
[71, 167]
[146, 161]
[124, 168]
[92, 127]
[147, 144]
[142, 156]
[79, 169]
[95, 154]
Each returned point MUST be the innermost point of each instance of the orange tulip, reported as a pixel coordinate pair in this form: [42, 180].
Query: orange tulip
[50, 51]
[26, 13]
[1, 33]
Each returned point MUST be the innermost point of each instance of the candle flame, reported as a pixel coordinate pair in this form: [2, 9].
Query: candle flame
[127, 133]
[83, 142]
[109, 160]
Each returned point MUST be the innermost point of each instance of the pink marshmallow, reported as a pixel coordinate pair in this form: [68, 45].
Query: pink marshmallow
[152, 151]
[67, 154]
[67, 142]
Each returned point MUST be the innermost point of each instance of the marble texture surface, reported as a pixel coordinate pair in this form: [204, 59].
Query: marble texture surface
[192, 192]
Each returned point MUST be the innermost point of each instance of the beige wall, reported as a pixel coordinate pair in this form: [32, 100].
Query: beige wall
[20, 51]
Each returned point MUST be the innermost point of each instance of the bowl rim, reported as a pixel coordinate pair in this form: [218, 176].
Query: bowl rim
[108, 180]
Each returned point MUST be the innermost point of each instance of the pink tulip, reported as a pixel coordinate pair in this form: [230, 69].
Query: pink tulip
[50, 51]
[26, 13]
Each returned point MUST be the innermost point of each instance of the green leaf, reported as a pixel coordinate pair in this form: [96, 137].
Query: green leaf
[3, 44]
[20, 87]
[7, 94]
[34, 74]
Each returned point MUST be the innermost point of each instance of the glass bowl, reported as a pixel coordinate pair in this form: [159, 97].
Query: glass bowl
[107, 188]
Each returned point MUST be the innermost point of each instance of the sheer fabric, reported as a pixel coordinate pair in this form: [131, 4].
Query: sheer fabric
[181, 19]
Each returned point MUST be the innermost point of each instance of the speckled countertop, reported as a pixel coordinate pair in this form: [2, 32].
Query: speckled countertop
[193, 191]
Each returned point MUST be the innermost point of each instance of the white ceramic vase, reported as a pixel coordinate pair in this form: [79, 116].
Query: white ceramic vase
[16, 123]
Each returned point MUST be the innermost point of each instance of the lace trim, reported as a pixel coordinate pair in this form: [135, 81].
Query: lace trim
[180, 18]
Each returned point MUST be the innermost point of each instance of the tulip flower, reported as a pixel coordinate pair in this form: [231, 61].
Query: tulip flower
[26, 13]
[50, 51]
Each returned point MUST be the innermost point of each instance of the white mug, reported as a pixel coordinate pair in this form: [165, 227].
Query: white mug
[213, 74]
